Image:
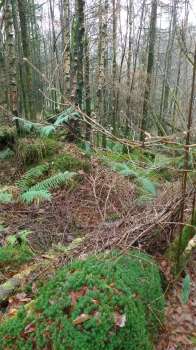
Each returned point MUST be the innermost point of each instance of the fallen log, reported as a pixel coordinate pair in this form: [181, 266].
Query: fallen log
[45, 266]
[9, 287]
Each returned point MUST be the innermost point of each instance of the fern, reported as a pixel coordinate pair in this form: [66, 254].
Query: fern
[66, 116]
[53, 182]
[38, 196]
[139, 174]
[6, 154]
[39, 192]
[31, 175]
[5, 198]
[46, 130]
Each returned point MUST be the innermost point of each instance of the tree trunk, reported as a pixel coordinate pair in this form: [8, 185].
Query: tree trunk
[23, 11]
[87, 86]
[151, 47]
[114, 65]
[128, 116]
[80, 50]
[66, 51]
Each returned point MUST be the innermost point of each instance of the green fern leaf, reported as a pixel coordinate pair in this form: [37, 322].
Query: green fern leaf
[53, 181]
[28, 179]
[32, 196]
[5, 197]
[6, 154]
[47, 130]
[67, 115]
[147, 185]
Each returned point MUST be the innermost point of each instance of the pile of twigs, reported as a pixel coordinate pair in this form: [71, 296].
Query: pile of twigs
[150, 229]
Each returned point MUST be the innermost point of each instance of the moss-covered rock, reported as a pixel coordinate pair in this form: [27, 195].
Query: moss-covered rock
[33, 150]
[111, 302]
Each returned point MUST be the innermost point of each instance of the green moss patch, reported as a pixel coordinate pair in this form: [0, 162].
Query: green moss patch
[108, 302]
[14, 255]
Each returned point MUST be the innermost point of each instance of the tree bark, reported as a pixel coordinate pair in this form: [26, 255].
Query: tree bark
[23, 11]
[151, 47]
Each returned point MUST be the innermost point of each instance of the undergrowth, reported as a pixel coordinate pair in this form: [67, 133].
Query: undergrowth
[147, 169]
[6, 153]
[33, 150]
[53, 181]
[189, 231]
[7, 135]
[14, 255]
[31, 176]
[108, 302]
[68, 162]
[40, 191]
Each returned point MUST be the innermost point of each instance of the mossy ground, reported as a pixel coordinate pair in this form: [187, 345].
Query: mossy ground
[100, 288]
[14, 255]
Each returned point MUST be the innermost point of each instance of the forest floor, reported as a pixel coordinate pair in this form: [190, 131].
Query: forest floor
[101, 196]
[179, 332]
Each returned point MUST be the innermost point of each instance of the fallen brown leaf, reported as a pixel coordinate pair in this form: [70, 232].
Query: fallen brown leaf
[119, 319]
[81, 319]
[76, 295]
[30, 328]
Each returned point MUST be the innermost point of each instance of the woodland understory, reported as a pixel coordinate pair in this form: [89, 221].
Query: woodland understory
[97, 175]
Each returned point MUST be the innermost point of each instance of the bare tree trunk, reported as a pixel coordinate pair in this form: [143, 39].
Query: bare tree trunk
[186, 159]
[114, 65]
[87, 86]
[152, 36]
[11, 59]
[22, 8]
[80, 4]
[128, 116]
[66, 52]
[168, 62]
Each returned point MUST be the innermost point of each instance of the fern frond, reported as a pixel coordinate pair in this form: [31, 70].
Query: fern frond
[38, 196]
[53, 181]
[6, 154]
[47, 130]
[5, 197]
[67, 115]
[28, 179]
[139, 174]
